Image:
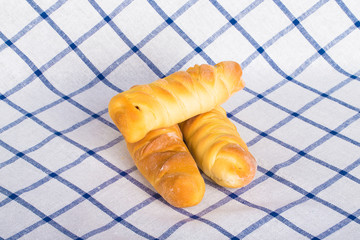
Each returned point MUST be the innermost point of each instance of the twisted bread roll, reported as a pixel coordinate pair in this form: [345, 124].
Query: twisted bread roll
[174, 99]
[164, 160]
[218, 148]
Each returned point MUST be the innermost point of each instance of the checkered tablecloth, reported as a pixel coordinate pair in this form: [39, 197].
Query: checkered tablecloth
[65, 172]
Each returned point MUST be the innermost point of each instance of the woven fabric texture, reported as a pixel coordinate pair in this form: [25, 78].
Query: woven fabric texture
[65, 172]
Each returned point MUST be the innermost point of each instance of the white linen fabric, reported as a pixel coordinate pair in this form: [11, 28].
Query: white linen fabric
[65, 172]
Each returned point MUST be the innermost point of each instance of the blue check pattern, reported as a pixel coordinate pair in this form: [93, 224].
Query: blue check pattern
[64, 168]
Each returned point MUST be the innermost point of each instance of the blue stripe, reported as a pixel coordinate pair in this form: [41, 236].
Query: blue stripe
[67, 97]
[307, 149]
[117, 30]
[33, 23]
[181, 33]
[62, 54]
[101, 77]
[251, 40]
[211, 39]
[320, 188]
[59, 171]
[106, 71]
[123, 216]
[60, 179]
[338, 226]
[297, 114]
[297, 72]
[311, 40]
[48, 84]
[347, 11]
[68, 207]
[271, 213]
[38, 213]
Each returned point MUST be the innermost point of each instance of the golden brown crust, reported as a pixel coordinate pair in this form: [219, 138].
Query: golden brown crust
[218, 148]
[164, 160]
[174, 99]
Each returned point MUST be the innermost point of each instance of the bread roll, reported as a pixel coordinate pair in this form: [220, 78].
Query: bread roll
[164, 160]
[174, 99]
[218, 148]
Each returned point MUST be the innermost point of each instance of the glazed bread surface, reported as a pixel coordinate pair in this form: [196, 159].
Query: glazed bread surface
[168, 101]
[164, 160]
[218, 149]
